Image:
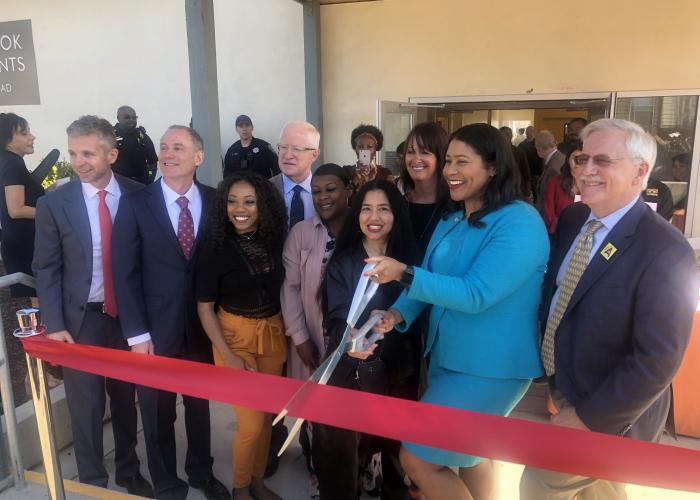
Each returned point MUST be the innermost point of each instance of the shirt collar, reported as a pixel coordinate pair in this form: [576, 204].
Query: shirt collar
[610, 220]
[171, 196]
[549, 156]
[289, 184]
[112, 187]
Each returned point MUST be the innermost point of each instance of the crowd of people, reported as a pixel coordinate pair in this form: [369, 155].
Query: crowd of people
[490, 277]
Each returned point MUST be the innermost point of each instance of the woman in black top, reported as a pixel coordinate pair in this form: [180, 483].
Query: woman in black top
[376, 224]
[18, 198]
[422, 182]
[239, 276]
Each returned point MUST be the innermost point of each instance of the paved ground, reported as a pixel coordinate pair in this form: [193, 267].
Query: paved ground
[291, 481]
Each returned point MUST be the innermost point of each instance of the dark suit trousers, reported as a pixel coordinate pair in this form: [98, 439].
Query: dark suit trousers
[158, 414]
[85, 394]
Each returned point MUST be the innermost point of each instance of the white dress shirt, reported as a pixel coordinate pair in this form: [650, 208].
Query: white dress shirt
[92, 202]
[608, 223]
[194, 199]
[288, 187]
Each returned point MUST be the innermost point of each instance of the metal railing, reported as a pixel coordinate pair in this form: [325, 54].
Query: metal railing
[42, 408]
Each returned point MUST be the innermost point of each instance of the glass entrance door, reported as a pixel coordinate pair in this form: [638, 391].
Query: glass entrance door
[395, 120]
[671, 118]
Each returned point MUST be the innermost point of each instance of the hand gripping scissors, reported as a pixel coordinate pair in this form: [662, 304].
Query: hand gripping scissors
[363, 294]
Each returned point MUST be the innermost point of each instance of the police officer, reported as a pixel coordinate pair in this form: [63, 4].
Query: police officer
[658, 193]
[250, 152]
[137, 158]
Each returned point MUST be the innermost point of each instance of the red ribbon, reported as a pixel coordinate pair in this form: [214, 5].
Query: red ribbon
[539, 445]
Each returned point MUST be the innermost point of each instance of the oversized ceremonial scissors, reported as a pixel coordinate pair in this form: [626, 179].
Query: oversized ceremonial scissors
[349, 343]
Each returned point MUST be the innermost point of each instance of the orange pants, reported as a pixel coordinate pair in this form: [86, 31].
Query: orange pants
[261, 343]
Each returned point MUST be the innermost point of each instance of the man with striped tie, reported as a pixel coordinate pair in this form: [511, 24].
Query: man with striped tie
[618, 303]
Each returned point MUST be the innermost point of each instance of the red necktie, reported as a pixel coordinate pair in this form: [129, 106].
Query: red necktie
[185, 227]
[110, 306]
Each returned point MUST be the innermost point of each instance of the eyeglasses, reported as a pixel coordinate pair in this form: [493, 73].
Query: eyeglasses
[602, 161]
[283, 148]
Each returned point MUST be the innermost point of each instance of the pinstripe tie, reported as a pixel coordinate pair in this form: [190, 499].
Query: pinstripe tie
[577, 265]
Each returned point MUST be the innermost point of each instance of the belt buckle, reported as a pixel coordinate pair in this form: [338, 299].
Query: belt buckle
[103, 308]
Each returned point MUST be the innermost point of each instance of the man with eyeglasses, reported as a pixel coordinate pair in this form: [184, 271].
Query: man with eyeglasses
[250, 153]
[298, 149]
[137, 158]
[619, 298]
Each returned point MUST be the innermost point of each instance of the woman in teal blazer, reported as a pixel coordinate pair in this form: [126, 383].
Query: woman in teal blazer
[482, 275]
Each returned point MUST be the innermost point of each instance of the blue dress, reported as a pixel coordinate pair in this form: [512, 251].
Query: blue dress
[484, 286]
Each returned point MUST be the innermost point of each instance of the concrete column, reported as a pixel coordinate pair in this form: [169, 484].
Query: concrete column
[201, 43]
[312, 66]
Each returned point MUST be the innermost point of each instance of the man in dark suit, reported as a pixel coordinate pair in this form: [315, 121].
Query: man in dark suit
[533, 160]
[298, 149]
[72, 266]
[157, 236]
[521, 161]
[552, 161]
[618, 304]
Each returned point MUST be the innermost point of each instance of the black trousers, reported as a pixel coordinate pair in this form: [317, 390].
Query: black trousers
[158, 414]
[339, 453]
[85, 395]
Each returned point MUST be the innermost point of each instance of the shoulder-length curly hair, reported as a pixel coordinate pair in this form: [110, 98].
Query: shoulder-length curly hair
[504, 186]
[272, 213]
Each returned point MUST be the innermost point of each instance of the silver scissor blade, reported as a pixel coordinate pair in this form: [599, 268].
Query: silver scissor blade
[290, 437]
[319, 376]
[362, 304]
[325, 374]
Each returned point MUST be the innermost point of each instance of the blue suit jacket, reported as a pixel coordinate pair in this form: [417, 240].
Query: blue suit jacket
[485, 285]
[153, 280]
[626, 327]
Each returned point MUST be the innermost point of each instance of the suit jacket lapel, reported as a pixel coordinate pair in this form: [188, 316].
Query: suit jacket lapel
[207, 206]
[621, 238]
[440, 232]
[76, 212]
[156, 202]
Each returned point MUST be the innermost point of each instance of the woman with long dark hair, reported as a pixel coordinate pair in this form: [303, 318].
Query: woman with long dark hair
[482, 275]
[421, 179]
[376, 225]
[239, 276]
[18, 196]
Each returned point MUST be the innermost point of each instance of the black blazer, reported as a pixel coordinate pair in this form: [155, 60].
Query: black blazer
[399, 350]
[627, 325]
[153, 281]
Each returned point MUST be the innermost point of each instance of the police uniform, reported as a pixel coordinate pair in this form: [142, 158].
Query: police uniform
[136, 153]
[659, 193]
[258, 157]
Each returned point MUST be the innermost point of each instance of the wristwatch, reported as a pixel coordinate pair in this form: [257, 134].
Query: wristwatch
[407, 277]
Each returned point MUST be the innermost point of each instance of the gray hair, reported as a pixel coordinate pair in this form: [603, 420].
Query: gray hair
[313, 135]
[93, 125]
[545, 140]
[639, 144]
[194, 135]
